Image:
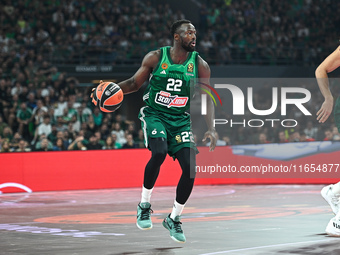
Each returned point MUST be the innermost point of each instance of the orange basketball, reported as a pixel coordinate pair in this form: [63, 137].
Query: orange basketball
[108, 96]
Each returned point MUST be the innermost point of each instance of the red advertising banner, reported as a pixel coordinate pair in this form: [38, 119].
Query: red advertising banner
[101, 169]
[316, 161]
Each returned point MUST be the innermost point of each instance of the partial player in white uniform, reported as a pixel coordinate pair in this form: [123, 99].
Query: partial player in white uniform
[330, 193]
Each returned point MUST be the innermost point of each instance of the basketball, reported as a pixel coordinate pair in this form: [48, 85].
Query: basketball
[108, 96]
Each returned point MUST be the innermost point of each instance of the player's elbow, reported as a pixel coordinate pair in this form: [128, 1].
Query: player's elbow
[319, 71]
[316, 72]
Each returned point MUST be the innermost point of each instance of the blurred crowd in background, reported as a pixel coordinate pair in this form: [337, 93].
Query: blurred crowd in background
[44, 109]
[262, 32]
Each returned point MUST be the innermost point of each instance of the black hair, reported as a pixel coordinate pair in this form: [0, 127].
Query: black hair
[177, 24]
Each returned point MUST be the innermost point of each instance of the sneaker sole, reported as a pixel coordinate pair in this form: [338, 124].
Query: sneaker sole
[143, 228]
[324, 195]
[178, 241]
[331, 233]
[331, 230]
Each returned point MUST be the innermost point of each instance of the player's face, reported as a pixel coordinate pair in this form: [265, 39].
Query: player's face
[188, 37]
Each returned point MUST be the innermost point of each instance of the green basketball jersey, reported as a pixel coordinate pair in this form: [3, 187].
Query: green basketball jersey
[171, 85]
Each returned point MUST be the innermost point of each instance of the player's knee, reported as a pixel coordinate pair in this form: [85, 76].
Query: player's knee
[159, 148]
[159, 154]
[187, 160]
[188, 168]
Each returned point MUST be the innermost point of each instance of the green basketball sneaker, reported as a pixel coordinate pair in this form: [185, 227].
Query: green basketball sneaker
[144, 216]
[174, 226]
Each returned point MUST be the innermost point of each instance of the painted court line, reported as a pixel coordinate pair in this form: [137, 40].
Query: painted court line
[54, 231]
[265, 246]
[254, 230]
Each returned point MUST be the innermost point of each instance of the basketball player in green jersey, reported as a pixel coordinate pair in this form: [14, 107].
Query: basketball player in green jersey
[166, 125]
[330, 193]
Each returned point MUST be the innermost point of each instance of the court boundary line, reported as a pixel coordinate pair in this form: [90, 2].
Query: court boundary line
[264, 246]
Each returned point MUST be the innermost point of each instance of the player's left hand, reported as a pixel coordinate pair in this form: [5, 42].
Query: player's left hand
[325, 111]
[212, 137]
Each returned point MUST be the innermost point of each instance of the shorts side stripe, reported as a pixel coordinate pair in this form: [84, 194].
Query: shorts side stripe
[144, 126]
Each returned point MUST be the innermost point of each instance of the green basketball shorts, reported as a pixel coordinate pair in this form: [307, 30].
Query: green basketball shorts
[175, 128]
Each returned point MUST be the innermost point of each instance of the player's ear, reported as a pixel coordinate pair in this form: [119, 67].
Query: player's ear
[176, 37]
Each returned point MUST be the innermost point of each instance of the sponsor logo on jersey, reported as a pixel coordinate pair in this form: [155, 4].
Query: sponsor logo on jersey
[190, 68]
[163, 72]
[178, 138]
[166, 99]
[164, 66]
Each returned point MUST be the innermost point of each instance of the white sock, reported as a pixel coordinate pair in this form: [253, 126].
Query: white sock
[176, 210]
[146, 195]
[336, 188]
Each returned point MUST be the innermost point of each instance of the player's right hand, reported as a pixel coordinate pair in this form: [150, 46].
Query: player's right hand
[92, 92]
[93, 89]
[325, 111]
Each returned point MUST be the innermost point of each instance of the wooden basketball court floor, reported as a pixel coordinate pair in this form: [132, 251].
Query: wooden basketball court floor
[227, 219]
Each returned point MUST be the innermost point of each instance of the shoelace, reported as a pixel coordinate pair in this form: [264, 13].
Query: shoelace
[177, 226]
[145, 214]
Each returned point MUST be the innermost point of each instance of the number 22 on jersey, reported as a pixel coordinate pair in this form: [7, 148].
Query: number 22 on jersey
[174, 85]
